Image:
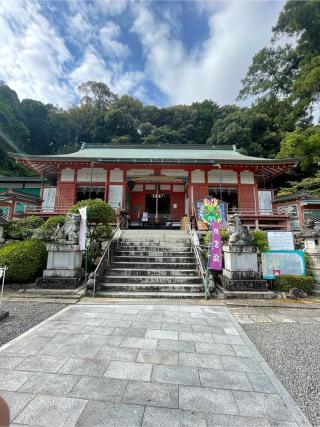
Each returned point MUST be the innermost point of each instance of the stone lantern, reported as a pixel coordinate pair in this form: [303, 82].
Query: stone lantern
[311, 237]
[3, 224]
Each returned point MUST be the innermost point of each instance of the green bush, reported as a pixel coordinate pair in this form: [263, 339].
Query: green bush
[260, 240]
[47, 229]
[21, 229]
[284, 283]
[98, 212]
[101, 231]
[25, 260]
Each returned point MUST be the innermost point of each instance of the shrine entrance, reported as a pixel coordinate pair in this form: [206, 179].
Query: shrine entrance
[158, 204]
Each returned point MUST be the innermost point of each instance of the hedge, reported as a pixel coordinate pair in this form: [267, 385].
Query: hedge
[25, 260]
[98, 211]
[284, 283]
[45, 232]
[20, 229]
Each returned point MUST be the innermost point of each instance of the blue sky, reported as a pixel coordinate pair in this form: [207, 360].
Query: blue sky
[163, 52]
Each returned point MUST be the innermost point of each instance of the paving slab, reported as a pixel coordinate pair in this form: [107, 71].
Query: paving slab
[129, 370]
[94, 388]
[51, 410]
[163, 417]
[130, 364]
[152, 394]
[111, 414]
[50, 384]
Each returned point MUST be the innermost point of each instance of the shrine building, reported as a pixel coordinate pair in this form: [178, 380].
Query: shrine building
[162, 181]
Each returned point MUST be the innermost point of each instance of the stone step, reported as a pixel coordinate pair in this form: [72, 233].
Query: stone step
[150, 272]
[145, 244]
[151, 279]
[146, 248]
[159, 287]
[132, 294]
[153, 253]
[224, 294]
[163, 239]
[160, 258]
[154, 265]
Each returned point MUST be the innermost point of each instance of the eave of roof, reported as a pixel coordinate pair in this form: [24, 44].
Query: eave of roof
[165, 153]
[21, 179]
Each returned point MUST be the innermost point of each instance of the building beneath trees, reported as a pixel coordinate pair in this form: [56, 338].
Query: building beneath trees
[162, 180]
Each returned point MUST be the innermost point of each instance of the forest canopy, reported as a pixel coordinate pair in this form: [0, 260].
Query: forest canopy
[283, 80]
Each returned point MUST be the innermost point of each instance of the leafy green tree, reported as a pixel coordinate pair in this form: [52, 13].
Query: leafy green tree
[120, 123]
[291, 72]
[310, 185]
[97, 94]
[304, 144]
[162, 135]
[36, 118]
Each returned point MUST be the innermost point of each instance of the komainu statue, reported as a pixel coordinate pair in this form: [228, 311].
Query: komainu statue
[239, 234]
[68, 232]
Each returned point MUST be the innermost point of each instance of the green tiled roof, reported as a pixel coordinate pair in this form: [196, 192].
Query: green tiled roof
[158, 153]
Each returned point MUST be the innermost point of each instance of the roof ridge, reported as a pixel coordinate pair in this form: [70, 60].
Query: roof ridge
[162, 146]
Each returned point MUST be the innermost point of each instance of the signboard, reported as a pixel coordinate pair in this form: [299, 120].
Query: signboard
[48, 199]
[265, 204]
[115, 196]
[209, 210]
[277, 263]
[215, 247]
[83, 228]
[280, 240]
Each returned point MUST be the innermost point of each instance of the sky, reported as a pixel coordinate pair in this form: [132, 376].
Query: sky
[162, 52]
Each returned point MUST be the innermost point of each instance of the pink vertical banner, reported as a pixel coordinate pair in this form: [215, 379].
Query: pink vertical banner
[215, 247]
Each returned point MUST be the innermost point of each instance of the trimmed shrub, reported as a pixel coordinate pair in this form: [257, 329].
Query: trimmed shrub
[47, 229]
[284, 283]
[101, 231]
[98, 211]
[21, 229]
[25, 260]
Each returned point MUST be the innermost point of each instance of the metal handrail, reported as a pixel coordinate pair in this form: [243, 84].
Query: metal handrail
[197, 252]
[105, 259]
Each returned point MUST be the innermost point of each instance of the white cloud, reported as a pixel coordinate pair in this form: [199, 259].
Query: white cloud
[237, 30]
[33, 54]
[93, 67]
[111, 46]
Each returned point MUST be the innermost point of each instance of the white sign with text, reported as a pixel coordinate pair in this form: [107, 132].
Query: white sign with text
[280, 240]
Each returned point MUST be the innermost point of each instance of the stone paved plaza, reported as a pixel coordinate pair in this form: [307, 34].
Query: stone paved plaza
[149, 365]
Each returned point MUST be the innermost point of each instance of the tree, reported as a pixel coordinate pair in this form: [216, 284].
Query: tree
[36, 118]
[304, 144]
[97, 94]
[291, 72]
[120, 123]
[162, 135]
[310, 185]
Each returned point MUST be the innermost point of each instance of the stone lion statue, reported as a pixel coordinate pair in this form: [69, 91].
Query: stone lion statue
[239, 234]
[69, 231]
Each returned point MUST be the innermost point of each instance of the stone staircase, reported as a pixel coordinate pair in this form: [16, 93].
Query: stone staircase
[152, 264]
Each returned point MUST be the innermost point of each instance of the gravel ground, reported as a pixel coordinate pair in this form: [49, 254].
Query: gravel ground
[293, 352]
[23, 316]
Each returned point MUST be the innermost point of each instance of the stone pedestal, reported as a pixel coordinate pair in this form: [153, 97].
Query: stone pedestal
[241, 271]
[64, 267]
